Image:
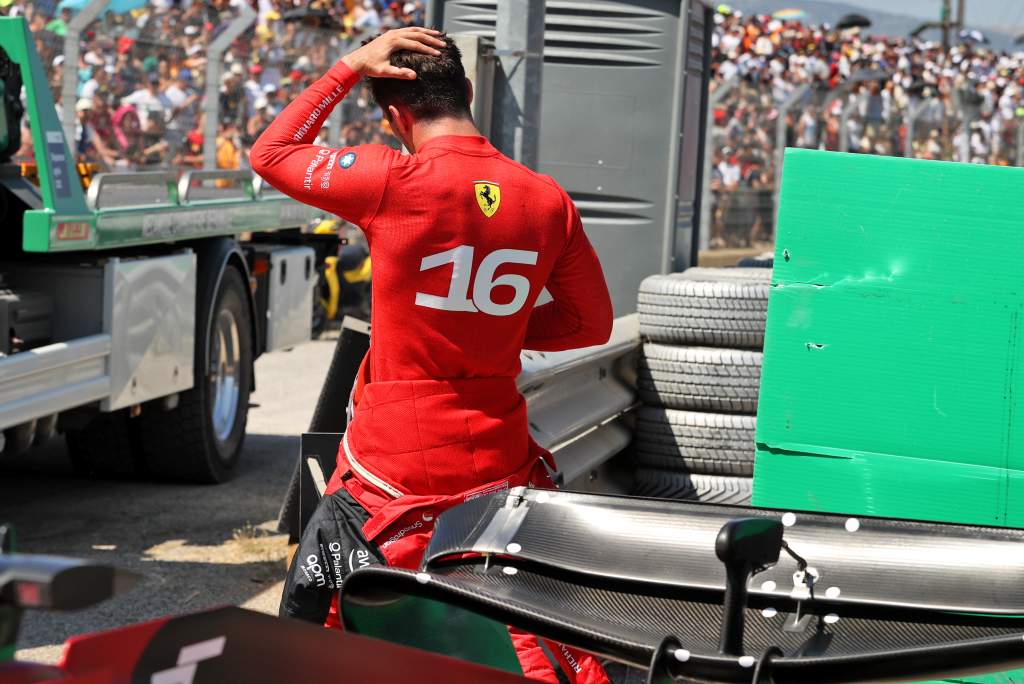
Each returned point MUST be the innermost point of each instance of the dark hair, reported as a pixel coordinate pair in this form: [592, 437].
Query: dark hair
[439, 89]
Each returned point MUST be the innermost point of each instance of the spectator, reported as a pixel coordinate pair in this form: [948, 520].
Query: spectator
[258, 122]
[182, 103]
[128, 133]
[191, 156]
[147, 100]
[856, 93]
[141, 75]
[229, 149]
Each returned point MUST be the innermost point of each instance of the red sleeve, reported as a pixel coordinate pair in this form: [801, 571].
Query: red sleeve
[349, 181]
[580, 314]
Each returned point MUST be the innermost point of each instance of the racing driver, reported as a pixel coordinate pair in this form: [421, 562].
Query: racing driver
[463, 240]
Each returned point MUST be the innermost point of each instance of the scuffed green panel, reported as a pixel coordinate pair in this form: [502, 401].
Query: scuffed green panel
[435, 626]
[892, 379]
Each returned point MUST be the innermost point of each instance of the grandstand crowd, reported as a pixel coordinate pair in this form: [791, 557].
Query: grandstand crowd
[141, 78]
[141, 73]
[861, 91]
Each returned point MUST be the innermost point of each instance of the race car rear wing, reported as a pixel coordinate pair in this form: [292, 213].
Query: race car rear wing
[643, 582]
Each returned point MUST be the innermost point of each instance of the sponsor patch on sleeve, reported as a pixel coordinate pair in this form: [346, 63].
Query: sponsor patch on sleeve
[346, 160]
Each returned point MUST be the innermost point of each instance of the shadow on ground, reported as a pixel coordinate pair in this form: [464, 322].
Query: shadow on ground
[196, 546]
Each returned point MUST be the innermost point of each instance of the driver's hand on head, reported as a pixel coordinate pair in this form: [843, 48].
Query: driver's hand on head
[374, 58]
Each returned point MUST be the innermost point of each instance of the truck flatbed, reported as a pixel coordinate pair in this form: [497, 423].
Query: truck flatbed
[133, 209]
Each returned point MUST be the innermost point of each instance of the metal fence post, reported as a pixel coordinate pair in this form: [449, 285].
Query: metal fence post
[69, 84]
[1020, 142]
[519, 45]
[844, 125]
[717, 96]
[337, 117]
[780, 138]
[913, 113]
[211, 99]
[965, 114]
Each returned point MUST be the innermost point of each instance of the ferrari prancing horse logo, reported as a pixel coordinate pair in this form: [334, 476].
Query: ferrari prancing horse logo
[488, 196]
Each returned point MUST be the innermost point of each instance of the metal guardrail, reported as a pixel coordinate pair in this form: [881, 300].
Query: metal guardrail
[577, 399]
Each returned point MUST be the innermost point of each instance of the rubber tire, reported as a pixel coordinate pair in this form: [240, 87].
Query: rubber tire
[319, 322]
[181, 444]
[666, 484]
[699, 378]
[756, 262]
[693, 442]
[718, 307]
[105, 447]
[724, 274]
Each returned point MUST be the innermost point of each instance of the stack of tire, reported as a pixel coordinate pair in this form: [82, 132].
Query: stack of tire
[698, 377]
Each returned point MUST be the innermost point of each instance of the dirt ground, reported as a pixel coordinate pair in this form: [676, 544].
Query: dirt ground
[196, 546]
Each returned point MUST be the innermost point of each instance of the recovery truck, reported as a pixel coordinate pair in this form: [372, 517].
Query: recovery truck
[131, 309]
[858, 563]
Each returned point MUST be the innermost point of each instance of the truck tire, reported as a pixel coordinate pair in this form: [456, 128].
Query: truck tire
[201, 439]
[666, 484]
[692, 442]
[714, 306]
[105, 447]
[699, 378]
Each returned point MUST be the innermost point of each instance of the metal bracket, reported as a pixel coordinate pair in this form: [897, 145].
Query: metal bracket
[242, 177]
[101, 180]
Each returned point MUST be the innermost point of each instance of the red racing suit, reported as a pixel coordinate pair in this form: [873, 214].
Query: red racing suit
[463, 240]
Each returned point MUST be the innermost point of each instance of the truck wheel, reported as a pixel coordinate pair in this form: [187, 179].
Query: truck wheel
[104, 447]
[692, 442]
[201, 439]
[699, 378]
[319, 314]
[706, 306]
[666, 484]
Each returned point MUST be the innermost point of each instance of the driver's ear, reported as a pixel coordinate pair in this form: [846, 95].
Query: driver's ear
[398, 120]
[401, 125]
[469, 93]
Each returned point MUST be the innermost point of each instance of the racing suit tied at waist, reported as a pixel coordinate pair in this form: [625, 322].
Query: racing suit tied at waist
[409, 437]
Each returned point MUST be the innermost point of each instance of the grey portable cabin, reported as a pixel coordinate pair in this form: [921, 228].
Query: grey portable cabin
[623, 107]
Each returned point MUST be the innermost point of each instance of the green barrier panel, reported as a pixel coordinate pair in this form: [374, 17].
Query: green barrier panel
[894, 349]
[437, 627]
